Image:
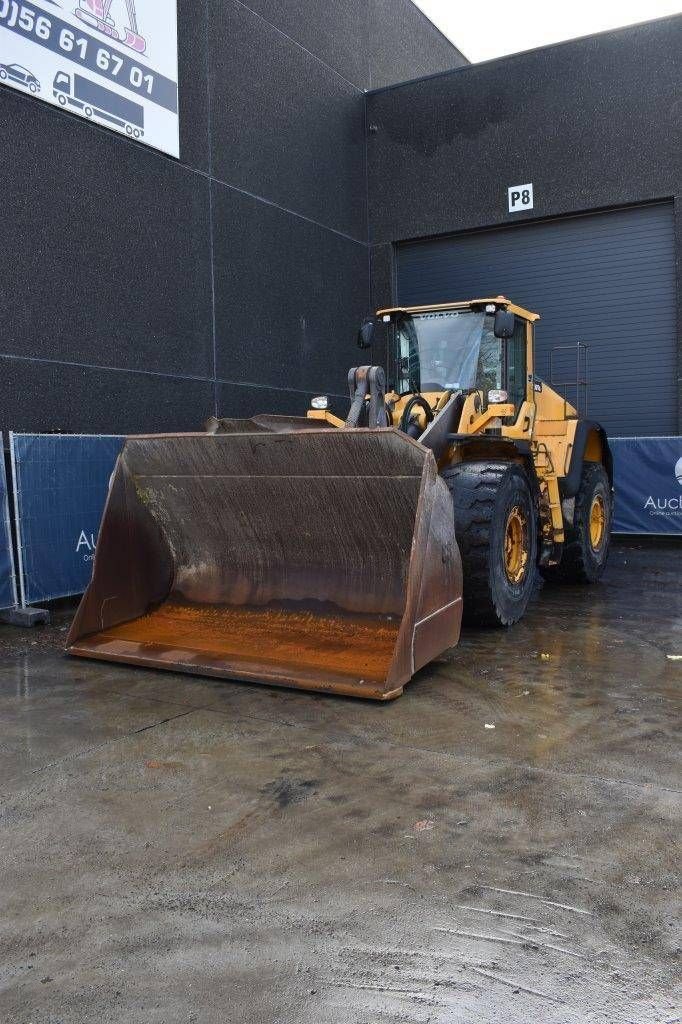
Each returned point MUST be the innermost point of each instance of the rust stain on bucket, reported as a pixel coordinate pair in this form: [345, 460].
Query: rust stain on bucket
[292, 639]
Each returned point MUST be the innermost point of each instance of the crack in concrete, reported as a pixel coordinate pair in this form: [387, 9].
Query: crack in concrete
[90, 750]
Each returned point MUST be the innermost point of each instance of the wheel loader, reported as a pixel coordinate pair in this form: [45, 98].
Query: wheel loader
[340, 555]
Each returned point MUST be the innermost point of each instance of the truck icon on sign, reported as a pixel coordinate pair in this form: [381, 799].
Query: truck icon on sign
[20, 76]
[94, 100]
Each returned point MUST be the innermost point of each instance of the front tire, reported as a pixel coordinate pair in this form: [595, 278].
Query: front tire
[496, 529]
[586, 547]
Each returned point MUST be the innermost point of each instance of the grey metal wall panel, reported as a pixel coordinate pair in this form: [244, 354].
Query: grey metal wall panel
[606, 279]
[284, 127]
[285, 326]
[592, 122]
[371, 43]
[42, 396]
[110, 319]
[113, 274]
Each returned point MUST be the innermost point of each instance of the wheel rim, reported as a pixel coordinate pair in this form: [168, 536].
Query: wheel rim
[597, 521]
[515, 545]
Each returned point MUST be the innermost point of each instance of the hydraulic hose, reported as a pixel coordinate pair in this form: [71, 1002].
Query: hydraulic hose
[416, 400]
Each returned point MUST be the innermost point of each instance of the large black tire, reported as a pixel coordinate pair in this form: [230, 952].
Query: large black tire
[583, 561]
[487, 497]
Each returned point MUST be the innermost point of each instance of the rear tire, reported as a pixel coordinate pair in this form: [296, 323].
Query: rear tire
[586, 547]
[496, 529]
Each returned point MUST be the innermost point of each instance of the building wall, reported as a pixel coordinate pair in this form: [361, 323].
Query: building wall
[141, 293]
[593, 123]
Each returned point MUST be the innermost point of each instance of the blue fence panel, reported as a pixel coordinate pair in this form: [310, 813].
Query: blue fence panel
[648, 480]
[61, 484]
[8, 588]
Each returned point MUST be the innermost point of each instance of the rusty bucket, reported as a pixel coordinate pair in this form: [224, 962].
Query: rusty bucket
[322, 559]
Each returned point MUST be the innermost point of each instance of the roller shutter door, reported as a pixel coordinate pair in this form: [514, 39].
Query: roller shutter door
[605, 279]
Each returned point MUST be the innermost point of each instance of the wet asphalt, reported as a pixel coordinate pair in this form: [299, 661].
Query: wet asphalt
[501, 844]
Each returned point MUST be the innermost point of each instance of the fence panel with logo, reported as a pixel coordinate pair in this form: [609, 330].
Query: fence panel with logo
[8, 586]
[60, 483]
[648, 480]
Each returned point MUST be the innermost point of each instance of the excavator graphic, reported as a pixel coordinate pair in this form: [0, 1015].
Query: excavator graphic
[96, 14]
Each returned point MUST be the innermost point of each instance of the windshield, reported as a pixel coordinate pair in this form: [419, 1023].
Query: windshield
[448, 350]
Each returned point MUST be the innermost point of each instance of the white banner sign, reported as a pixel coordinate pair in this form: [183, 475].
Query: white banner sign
[114, 62]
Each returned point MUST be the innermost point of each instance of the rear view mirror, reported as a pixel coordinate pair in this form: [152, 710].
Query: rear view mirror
[504, 324]
[366, 333]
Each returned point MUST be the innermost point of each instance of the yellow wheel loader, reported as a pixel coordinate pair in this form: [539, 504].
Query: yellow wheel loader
[340, 555]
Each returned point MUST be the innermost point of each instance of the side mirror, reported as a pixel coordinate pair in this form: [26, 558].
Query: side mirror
[366, 333]
[504, 324]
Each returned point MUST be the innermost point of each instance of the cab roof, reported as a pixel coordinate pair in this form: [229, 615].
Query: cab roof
[499, 301]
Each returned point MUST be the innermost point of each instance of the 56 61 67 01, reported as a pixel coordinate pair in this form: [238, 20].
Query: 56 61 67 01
[57, 37]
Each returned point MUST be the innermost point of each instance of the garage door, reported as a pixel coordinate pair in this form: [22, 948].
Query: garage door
[607, 280]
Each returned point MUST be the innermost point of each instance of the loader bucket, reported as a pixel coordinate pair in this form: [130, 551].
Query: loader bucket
[323, 559]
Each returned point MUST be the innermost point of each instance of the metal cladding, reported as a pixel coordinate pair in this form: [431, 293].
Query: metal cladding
[317, 558]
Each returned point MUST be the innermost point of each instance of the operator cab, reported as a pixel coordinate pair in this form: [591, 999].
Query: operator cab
[475, 356]
[478, 346]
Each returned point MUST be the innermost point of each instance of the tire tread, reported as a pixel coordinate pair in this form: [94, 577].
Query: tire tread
[473, 487]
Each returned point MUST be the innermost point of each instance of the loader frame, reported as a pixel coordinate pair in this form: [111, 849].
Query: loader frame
[545, 435]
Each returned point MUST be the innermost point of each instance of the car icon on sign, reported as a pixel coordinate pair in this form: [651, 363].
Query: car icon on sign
[22, 76]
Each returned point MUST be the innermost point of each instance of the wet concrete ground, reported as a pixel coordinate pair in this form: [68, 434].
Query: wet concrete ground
[174, 849]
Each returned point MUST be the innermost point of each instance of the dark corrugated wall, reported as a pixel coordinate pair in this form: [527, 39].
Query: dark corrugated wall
[605, 279]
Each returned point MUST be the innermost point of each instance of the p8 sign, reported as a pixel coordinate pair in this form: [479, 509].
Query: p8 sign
[520, 197]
